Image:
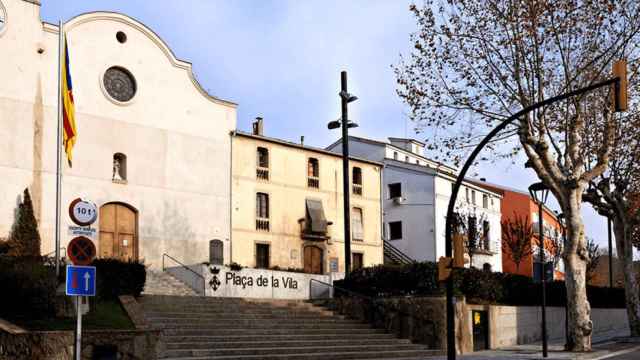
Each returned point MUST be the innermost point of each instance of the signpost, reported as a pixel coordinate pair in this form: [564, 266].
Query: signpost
[81, 280]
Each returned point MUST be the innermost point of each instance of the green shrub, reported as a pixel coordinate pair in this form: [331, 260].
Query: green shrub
[478, 286]
[28, 288]
[115, 277]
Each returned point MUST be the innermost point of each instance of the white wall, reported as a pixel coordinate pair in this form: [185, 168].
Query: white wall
[175, 136]
[416, 212]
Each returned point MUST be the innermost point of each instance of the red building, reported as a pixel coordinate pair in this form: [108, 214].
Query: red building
[518, 205]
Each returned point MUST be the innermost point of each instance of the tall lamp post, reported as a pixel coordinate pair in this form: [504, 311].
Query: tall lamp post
[540, 192]
[619, 80]
[345, 99]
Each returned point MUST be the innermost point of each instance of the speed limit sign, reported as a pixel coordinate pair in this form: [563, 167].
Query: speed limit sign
[83, 212]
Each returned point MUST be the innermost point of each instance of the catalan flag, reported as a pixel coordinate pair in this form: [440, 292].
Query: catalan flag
[69, 131]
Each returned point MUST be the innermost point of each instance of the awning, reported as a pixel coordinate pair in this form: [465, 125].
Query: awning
[315, 214]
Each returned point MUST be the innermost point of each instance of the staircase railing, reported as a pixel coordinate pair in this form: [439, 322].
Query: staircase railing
[185, 267]
[396, 254]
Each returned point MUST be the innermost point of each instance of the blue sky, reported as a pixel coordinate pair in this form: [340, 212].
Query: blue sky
[282, 60]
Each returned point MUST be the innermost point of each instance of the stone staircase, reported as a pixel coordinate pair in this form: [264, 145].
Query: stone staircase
[163, 283]
[198, 328]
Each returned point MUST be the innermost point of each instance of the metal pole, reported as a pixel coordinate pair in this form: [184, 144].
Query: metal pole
[543, 277]
[78, 345]
[59, 146]
[610, 253]
[345, 175]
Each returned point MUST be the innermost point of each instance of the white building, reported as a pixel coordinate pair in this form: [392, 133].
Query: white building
[153, 148]
[416, 194]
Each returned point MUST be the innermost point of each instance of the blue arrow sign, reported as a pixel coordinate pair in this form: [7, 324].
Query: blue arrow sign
[81, 280]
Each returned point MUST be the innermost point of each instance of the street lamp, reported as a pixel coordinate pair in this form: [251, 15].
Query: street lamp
[562, 220]
[345, 98]
[540, 192]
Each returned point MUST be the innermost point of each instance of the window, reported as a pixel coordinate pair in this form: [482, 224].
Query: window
[262, 211]
[315, 223]
[313, 173]
[262, 256]
[121, 37]
[395, 190]
[485, 201]
[357, 261]
[406, 158]
[417, 162]
[486, 267]
[472, 233]
[216, 255]
[466, 195]
[486, 235]
[262, 170]
[119, 174]
[356, 224]
[395, 155]
[473, 197]
[395, 230]
[357, 181]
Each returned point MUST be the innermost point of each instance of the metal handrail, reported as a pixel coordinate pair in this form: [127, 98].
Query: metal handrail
[339, 288]
[398, 253]
[185, 267]
[53, 252]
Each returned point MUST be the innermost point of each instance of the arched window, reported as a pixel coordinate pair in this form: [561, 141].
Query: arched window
[357, 181]
[216, 254]
[486, 267]
[119, 167]
[313, 173]
[262, 169]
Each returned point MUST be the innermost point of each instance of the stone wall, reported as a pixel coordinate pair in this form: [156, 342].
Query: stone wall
[511, 325]
[58, 345]
[423, 320]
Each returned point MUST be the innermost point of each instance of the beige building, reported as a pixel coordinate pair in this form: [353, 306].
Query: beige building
[287, 206]
[153, 148]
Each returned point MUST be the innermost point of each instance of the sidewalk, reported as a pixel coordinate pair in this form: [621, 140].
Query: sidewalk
[603, 348]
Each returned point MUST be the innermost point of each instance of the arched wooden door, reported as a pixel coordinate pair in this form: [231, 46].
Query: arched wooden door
[313, 260]
[118, 232]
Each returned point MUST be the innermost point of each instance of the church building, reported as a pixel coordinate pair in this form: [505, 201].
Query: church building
[153, 147]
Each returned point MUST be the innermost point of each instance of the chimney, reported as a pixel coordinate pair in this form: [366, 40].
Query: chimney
[257, 126]
[302, 140]
[483, 179]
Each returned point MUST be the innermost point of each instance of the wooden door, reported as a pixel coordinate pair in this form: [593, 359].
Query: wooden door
[118, 232]
[313, 260]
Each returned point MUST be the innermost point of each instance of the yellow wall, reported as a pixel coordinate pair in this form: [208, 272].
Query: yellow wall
[287, 189]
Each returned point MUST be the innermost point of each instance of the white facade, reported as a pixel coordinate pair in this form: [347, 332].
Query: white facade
[425, 192]
[174, 135]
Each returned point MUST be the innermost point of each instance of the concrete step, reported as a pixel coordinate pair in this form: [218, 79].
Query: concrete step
[163, 283]
[261, 343]
[222, 315]
[329, 354]
[267, 331]
[253, 322]
[265, 325]
[221, 339]
[290, 350]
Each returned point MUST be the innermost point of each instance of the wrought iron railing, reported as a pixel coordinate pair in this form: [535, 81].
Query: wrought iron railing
[262, 173]
[262, 224]
[313, 182]
[357, 189]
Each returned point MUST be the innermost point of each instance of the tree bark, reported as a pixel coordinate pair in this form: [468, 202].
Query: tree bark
[576, 258]
[624, 249]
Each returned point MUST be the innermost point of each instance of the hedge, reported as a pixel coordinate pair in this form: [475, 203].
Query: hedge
[28, 288]
[116, 277]
[478, 286]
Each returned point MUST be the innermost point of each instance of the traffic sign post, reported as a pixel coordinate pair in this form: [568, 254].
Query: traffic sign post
[81, 281]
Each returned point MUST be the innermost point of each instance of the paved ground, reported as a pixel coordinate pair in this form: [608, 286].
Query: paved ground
[621, 348]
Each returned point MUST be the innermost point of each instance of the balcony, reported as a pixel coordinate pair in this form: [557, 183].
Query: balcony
[357, 189]
[307, 234]
[313, 182]
[262, 224]
[262, 173]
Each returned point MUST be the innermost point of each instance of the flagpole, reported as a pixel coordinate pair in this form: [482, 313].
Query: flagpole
[59, 145]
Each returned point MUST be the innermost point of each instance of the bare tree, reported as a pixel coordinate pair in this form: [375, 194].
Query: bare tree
[517, 234]
[614, 194]
[477, 62]
[594, 259]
